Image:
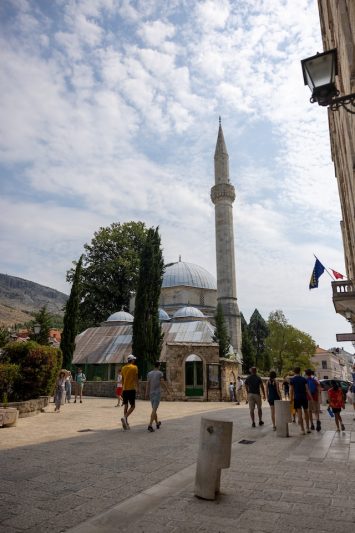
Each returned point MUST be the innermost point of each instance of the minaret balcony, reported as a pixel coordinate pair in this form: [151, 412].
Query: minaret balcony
[222, 191]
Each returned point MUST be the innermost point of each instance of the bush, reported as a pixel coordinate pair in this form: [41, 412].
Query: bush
[9, 374]
[38, 369]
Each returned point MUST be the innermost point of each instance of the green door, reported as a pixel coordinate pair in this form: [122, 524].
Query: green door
[194, 378]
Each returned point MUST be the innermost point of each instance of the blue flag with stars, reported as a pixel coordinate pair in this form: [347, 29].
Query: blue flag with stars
[316, 274]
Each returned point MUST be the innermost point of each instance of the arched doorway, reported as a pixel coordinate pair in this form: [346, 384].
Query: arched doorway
[193, 376]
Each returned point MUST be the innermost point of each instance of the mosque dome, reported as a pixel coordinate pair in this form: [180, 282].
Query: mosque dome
[188, 274]
[163, 315]
[188, 312]
[120, 316]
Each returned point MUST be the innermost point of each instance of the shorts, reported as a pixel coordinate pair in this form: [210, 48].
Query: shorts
[336, 409]
[301, 403]
[118, 391]
[129, 397]
[254, 400]
[155, 399]
[313, 406]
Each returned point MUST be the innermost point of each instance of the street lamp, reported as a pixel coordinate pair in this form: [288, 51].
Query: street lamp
[319, 73]
[36, 328]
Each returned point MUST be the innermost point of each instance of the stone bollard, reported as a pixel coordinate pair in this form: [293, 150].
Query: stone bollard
[282, 417]
[324, 397]
[214, 454]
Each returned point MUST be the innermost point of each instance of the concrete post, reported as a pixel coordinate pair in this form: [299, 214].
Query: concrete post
[282, 417]
[324, 397]
[214, 454]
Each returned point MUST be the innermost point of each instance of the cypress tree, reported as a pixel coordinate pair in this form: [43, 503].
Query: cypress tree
[71, 317]
[147, 334]
[221, 332]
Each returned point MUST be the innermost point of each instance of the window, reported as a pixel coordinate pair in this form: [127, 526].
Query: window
[324, 364]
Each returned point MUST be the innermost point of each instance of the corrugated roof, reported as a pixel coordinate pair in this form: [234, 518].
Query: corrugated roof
[112, 344]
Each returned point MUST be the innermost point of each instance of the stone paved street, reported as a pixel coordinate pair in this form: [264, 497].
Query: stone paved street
[79, 470]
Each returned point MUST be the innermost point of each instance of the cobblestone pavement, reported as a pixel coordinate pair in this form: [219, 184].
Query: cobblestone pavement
[56, 475]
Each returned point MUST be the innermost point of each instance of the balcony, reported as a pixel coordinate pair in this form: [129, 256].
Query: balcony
[344, 297]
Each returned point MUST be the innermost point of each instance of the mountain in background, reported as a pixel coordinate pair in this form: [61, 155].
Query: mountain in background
[20, 299]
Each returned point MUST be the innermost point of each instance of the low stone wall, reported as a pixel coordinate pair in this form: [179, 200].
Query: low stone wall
[104, 389]
[29, 407]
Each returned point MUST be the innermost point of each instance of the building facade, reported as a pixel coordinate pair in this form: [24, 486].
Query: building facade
[334, 363]
[337, 20]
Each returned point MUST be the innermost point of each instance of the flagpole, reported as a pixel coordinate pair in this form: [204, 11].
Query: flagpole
[329, 274]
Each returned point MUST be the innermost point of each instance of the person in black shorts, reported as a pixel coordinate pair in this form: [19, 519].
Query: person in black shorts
[299, 397]
[273, 393]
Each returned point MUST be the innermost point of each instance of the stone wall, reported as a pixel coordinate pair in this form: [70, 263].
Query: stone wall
[103, 389]
[29, 407]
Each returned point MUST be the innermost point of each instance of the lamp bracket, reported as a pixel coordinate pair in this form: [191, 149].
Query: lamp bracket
[344, 101]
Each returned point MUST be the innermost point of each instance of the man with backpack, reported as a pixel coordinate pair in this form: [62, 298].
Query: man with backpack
[314, 393]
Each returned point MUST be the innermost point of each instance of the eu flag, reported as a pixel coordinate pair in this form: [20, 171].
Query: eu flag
[316, 274]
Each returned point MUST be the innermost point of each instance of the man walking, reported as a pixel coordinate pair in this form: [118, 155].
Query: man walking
[299, 397]
[314, 393]
[129, 388]
[253, 384]
[153, 390]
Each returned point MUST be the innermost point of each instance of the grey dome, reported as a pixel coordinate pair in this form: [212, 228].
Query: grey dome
[185, 312]
[163, 315]
[120, 316]
[188, 274]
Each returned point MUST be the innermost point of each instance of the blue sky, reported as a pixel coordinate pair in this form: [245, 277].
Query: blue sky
[110, 113]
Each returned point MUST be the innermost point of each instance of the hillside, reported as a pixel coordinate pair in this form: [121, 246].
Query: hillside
[20, 298]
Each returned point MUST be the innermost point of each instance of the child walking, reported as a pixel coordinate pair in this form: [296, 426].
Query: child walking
[336, 403]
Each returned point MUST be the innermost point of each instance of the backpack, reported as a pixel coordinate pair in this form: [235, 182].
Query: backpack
[312, 385]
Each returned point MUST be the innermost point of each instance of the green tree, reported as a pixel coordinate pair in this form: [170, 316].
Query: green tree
[258, 331]
[147, 334]
[109, 271]
[248, 349]
[221, 332]
[43, 319]
[286, 345]
[71, 318]
[4, 336]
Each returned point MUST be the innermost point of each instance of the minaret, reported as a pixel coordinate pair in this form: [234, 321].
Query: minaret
[223, 196]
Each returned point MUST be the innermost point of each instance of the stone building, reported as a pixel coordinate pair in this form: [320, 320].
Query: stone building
[188, 301]
[334, 363]
[337, 20]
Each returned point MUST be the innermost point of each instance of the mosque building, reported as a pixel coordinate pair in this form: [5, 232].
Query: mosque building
[188, 300]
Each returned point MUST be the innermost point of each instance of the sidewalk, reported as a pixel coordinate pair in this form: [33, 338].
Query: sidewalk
[107, 480]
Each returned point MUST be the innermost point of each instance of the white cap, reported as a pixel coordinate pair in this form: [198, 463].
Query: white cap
[131, 358]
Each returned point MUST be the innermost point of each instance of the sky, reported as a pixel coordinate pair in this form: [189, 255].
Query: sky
[110, 113]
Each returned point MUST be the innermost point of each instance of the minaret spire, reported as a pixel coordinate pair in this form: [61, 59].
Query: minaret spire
[223, 196]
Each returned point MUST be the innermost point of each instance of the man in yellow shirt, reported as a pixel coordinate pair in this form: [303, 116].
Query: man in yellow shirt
[130, 385]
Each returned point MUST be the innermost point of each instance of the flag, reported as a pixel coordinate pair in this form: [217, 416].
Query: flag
[316, 274]
[337, 275]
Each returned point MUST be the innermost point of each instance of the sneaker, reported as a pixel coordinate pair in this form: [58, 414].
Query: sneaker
[124, 423]
[309, 431]
[253, 425]
[342, 427]
[318, 425]
[274, 428]
[150, 429]
[158, 425]
[312, 426]
[74, 401]
[81, 401]
[261, 423]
